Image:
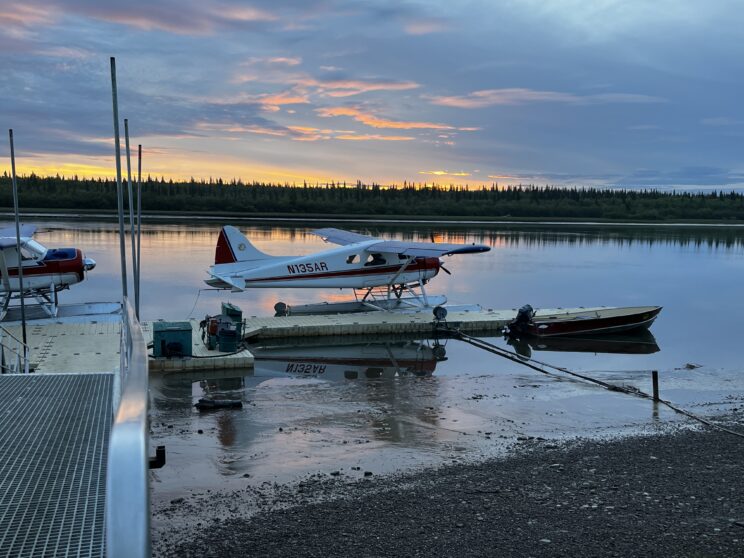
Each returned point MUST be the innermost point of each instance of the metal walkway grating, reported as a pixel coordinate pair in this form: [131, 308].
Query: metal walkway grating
[54, 432]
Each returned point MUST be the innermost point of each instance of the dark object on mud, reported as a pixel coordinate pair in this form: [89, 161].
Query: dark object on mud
[209, 404]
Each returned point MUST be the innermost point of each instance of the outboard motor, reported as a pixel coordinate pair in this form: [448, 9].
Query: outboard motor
[524, 315]
[521, 323]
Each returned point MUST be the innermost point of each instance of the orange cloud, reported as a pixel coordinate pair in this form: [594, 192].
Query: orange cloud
[22, 14]
[331, 88]
[424, 27]
[348, 87]
[375, 122]
[244, 13]
[520, 96]
[444, 173]
[276, 60]
[285, 60]
[239, 129]
[66, 52]
[373, 137]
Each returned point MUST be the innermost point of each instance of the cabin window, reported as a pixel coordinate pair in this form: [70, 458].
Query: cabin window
[354, 258]
[27, 255]
[375, 259]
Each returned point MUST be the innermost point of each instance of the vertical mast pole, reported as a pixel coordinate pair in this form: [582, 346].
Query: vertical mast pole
[139, 227]
[131, 210]
[119, 193]
[18, 239]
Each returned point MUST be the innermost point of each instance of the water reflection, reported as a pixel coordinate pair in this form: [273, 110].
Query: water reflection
[349, 357]
[303, 396]
[640, 342]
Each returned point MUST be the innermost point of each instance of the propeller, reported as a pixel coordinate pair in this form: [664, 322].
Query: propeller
[441, 266]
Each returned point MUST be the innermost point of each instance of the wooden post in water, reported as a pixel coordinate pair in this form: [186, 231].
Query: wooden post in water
[18, 241]
[119, 192]
[655, 380]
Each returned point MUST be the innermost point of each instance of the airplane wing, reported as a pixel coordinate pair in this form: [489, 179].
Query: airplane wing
[8, 235]
[426, 249]
[414, 249]
[337, 236]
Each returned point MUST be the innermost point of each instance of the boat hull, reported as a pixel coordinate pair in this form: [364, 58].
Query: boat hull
[596, 322]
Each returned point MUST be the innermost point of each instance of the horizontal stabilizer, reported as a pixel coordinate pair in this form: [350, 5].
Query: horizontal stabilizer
[225, 282]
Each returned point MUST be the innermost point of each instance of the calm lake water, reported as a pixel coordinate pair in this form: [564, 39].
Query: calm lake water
[470, 405]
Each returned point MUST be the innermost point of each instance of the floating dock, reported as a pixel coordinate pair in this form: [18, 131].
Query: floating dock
[201, 359]
[471, 320]
[56, 429]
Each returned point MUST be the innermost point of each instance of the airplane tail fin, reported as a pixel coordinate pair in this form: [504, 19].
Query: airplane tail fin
[233, 246]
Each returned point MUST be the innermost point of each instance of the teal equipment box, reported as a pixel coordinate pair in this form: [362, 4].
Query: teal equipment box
[171, 339]
[232, 312]
[235, 315]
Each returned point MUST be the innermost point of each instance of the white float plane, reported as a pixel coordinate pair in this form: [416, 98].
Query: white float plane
[46, 271]
[361, 262]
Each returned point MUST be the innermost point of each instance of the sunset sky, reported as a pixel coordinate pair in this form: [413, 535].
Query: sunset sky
[629, 92]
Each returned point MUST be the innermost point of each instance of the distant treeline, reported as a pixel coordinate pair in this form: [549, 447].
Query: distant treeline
[340, 199]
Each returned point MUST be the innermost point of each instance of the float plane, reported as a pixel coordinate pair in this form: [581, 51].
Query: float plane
[380, 271]
[46, 271]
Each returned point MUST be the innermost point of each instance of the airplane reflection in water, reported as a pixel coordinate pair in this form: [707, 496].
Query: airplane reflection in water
[641, 342]
[328, 358]
[309, 404]
[348, 358]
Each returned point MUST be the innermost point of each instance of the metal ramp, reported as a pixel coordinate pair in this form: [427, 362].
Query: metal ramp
[54, 432]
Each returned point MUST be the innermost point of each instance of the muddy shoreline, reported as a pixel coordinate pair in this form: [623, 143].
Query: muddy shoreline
[674, 494]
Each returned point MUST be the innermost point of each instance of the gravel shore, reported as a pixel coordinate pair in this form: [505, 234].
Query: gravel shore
[677, 494]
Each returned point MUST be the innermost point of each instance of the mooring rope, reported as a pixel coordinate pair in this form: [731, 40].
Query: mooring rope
[540, 366]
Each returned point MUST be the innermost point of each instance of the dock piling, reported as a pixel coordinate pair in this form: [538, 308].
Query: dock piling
[655, 380]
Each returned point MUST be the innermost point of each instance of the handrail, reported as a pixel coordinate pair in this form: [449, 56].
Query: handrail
[21, 364]
[127, 493]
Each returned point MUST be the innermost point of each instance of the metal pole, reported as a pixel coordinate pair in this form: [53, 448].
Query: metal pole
[119, 193]
[139, 229]
[18, 240]
[655, 383]
[131, 209]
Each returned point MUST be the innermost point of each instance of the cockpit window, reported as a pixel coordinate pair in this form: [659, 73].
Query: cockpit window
[354, 258]
[32, 250]
[375, 259]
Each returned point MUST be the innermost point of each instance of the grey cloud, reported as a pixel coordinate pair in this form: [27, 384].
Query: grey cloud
[685, 176]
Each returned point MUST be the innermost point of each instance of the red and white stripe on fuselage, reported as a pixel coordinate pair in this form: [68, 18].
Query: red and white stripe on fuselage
[42, 274]
[317, 271]
[239, 263]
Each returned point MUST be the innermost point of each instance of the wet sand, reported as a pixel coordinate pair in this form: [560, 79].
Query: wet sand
[673, 494]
